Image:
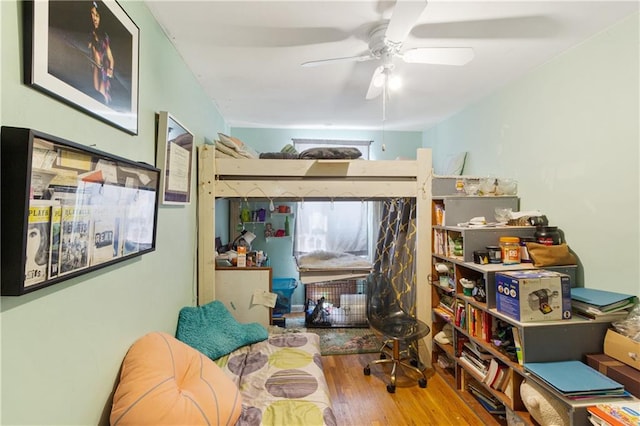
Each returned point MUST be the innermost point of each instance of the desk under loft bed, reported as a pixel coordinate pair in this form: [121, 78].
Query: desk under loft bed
[313, 180]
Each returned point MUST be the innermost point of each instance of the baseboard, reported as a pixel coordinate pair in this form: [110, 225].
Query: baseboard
[297, 308]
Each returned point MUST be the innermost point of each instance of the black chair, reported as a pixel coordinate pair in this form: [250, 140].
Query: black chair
[400, 330]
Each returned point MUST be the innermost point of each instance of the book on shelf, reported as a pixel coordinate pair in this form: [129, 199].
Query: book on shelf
[443, 313]
[447, 302]
[517, 342]
[601, 300]
[497, 375]
[492, 372]
[488, 401]
[595, 310]
[492, 409]
[37, 242]
[481, 364]
[608, 316]
[460, 314]
[624, 413]
[487, 324]
[472, 366]
[478, 350]
[505, 381]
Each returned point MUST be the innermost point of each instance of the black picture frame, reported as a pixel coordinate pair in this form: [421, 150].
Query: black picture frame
[68, 209]
[175, 158]
[92, 69]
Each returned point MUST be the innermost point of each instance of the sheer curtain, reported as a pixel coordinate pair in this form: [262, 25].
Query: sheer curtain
[395, 250]
[341, 226]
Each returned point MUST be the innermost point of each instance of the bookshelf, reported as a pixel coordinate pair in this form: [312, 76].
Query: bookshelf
[476, 321]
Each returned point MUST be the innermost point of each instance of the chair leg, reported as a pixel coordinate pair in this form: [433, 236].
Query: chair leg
[396, 360]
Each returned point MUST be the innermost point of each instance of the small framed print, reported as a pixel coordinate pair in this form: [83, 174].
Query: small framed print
[175, 159]
[84, 53]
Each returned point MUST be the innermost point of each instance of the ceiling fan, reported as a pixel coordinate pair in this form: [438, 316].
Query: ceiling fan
[385, 44]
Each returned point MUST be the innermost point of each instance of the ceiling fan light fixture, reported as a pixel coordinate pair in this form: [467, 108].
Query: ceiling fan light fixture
[395, 82]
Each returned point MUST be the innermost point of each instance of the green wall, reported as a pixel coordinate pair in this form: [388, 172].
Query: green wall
[62, 346]
[569, 133]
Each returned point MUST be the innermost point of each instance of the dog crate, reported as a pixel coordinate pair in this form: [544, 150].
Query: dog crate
[336, 304]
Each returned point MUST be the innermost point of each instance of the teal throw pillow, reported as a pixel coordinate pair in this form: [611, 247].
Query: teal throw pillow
[212, 330]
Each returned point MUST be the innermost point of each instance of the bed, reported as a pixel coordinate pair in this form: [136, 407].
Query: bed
[312, 179]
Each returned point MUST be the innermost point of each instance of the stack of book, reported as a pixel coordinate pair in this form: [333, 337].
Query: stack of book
[625, 413]
[488, 401]
[474, 358]
[498, 375]
[575, 380]
[600, 304]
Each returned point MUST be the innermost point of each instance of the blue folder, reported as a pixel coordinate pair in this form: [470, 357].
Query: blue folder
[574, 378]
[598, 298]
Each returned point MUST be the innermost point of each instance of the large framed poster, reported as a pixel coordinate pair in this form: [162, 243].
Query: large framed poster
[84, 53]
[68, 209]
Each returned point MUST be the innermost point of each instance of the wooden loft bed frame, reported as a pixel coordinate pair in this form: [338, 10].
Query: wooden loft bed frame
[299, 180]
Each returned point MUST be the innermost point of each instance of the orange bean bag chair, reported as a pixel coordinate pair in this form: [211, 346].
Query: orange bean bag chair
[164, 381]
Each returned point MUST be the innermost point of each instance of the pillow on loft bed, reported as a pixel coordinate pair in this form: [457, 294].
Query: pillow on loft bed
[212, 330]
[238, 146]
[226, 151]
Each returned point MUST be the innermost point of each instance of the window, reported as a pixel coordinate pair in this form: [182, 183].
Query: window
[340, 226]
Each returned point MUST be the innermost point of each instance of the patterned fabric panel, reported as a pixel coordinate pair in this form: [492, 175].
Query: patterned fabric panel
[281, 381]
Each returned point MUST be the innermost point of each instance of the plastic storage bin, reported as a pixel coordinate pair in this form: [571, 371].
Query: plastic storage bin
[284, 288]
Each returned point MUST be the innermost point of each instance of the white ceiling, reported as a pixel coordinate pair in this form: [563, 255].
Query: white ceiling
[247, 55]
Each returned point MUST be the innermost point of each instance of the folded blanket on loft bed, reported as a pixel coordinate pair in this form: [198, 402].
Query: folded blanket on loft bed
[232, 147]
[321, 266]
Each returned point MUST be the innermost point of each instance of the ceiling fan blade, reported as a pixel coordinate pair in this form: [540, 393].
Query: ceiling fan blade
[375, 88]
[439, 55]
[360, 58]
[405, 15]
[497, 28]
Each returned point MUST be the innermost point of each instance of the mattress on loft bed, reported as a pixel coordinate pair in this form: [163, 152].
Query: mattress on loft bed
[322, 266]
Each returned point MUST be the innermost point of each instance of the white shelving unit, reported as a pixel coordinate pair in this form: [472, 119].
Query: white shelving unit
[540, 341]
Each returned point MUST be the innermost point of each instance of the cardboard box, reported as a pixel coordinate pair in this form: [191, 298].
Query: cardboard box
[534, 295]
[627, 376]
[622, 348]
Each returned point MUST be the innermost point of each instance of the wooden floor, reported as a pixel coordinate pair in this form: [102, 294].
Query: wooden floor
[361, 400]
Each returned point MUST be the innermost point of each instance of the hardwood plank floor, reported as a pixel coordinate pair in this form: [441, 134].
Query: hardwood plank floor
[360, 400]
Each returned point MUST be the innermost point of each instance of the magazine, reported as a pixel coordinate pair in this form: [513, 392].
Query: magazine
[54, 254]
[37, 247]
[74, 238]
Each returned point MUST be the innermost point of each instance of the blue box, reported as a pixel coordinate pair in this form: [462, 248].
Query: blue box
[534, 295]
[284, 288]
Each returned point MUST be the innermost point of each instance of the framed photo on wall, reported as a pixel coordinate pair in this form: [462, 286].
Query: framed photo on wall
[84, 53]
[174, 159]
